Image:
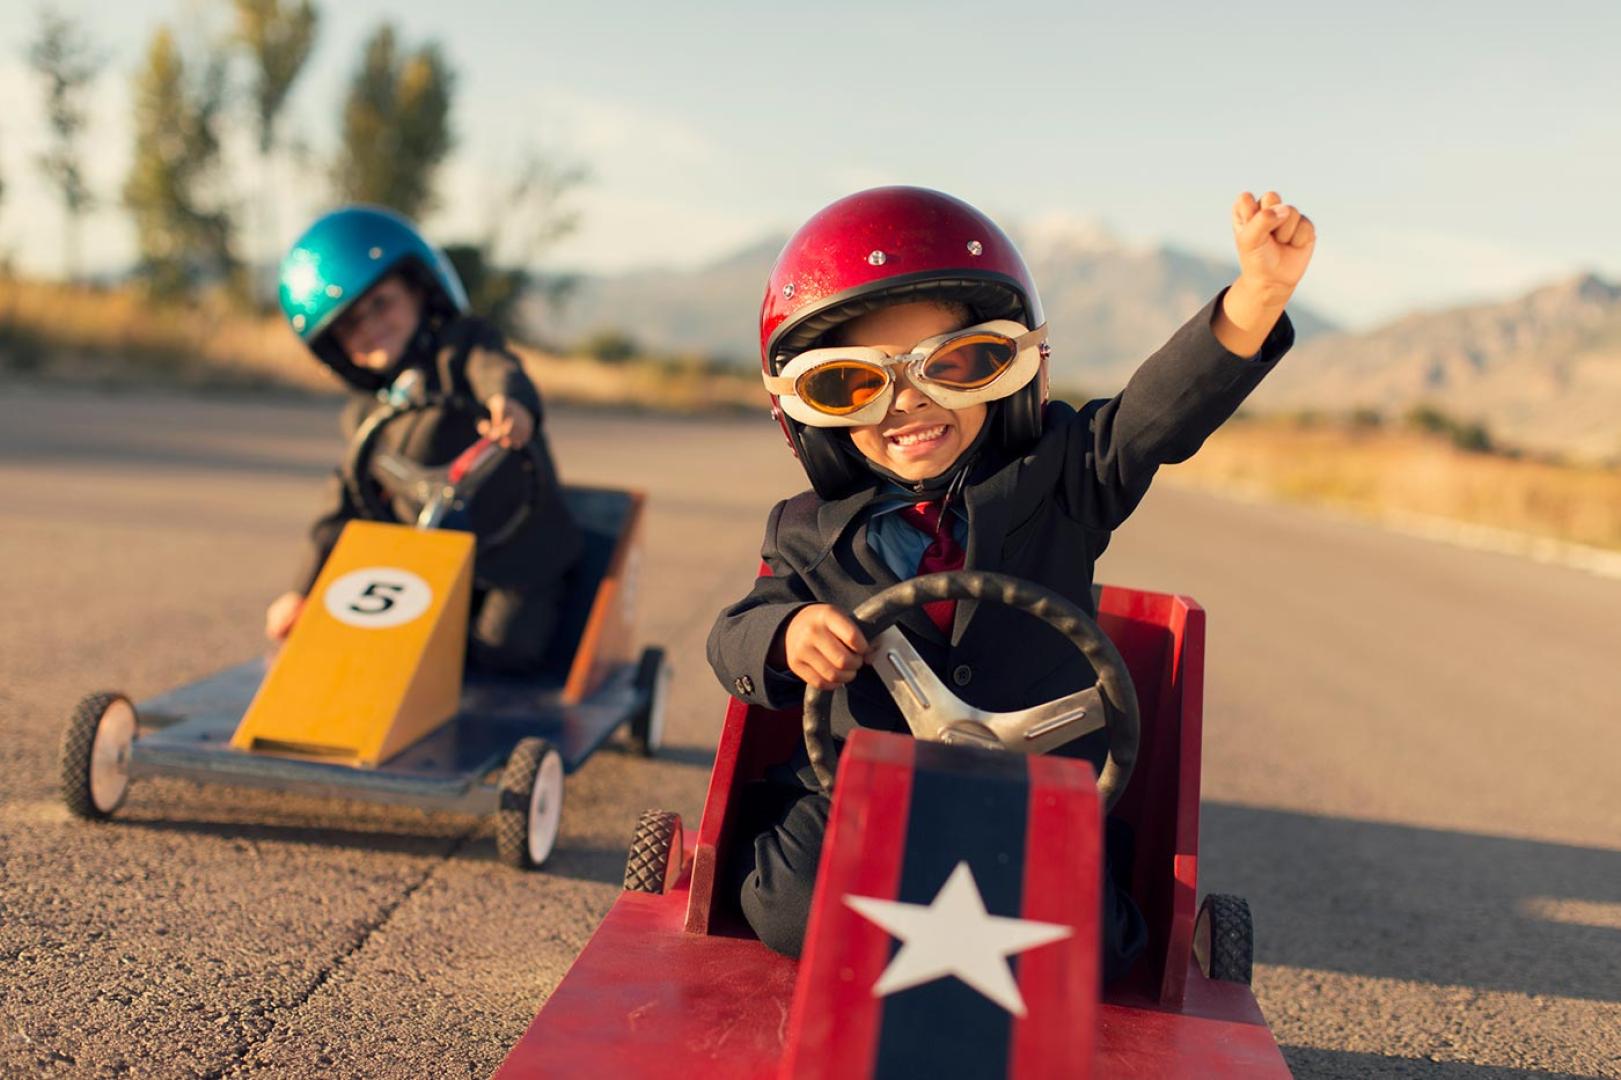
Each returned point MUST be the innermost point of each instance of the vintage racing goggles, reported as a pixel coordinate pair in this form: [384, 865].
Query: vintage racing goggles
[853, 386]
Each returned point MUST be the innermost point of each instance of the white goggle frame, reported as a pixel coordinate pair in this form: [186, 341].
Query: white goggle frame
[1030, 346]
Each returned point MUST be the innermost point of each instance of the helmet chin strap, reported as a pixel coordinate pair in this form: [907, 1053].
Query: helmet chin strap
[946, 484]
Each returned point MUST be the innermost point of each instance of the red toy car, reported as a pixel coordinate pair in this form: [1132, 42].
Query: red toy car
[954, 930]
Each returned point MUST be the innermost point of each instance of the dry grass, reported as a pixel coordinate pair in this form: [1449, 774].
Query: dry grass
[647, 384]
[1384, 474]
[114, 336]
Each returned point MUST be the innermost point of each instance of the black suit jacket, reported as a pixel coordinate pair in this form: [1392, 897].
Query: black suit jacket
[1044, 516]
[469, 358]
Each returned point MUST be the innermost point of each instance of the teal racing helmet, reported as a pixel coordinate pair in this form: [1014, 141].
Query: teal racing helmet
[343, 254]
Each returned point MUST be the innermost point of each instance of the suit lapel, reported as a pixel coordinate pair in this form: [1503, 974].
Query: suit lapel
[916, 620]
[988, 503]
[835, 515]
[833, 520]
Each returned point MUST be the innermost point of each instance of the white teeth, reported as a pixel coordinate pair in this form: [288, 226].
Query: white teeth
[911, 438]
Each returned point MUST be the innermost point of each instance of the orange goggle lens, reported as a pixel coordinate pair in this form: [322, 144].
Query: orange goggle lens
[970, 362]
[841, 387]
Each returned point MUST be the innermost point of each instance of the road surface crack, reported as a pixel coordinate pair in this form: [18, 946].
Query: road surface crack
[241, 1065]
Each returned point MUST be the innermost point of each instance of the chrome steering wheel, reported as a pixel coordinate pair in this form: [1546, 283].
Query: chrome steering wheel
[430, 493]
[933, 712]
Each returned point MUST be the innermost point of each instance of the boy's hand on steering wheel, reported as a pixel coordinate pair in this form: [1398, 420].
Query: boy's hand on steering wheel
[509, 424]
[823, 646]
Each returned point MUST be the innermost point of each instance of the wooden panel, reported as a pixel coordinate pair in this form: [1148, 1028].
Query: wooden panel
[375, 660]
[833, 1028]
[752, 740]
[1064, 848]
[610, 632]
[1162, 639]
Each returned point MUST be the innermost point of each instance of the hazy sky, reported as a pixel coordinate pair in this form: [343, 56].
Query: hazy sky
[1447, 151]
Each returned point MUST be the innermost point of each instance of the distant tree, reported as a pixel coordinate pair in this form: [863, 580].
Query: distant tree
[278, 38]
[493, 292]
[1468, 435]
[1366, 419]
[396, 125]
[611, 346]
[182, 228]
[5, 256]
[525, 220]
[67, 62]
[1472, 436]
[1428, 418]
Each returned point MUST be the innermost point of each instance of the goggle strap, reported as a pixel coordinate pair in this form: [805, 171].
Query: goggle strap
[1034, 337]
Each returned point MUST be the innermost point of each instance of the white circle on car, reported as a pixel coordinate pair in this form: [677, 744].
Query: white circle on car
[378, 597]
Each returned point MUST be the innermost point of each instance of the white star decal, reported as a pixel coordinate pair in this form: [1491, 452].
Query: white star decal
[953, 935]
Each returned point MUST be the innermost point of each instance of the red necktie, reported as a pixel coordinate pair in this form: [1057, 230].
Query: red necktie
[943, 553]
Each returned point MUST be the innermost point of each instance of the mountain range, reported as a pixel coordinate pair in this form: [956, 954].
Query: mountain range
[1542, 371]
[1110, 304]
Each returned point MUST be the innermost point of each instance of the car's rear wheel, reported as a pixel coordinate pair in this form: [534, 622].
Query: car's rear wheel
[95, 754]
[656, 854]
[1224, 938]
[530, 809]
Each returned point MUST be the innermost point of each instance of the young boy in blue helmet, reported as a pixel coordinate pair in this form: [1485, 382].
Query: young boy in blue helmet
[385, 310]
[905, 349]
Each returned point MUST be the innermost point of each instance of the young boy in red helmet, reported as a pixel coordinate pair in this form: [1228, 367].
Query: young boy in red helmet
[905, 349]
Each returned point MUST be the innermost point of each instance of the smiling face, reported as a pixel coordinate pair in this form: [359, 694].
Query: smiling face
[376, 330]
[918, 439]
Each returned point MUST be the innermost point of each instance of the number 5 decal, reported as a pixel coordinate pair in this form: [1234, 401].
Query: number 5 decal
[378, 597]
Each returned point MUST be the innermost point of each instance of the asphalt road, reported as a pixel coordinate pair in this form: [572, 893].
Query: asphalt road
[1410, 770]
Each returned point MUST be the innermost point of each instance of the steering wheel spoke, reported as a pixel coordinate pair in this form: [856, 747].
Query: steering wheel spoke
[400, 477]
[473, 466]
[934, 712]
[926, 703]
[1051, 724]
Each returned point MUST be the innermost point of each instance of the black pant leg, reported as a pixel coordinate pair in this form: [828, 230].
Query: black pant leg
[1124, 930]
[512, 628]
[776, 872]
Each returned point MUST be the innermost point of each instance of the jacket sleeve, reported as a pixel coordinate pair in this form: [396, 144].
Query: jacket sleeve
[325, 531]
[493, 369]
[1171, 404]
[743, 632]
[340, 507]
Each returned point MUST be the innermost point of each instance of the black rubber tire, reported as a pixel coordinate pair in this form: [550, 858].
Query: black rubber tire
[643, 739]
[516, 787]
[656, 844]
[78, 738]
[1231, 949]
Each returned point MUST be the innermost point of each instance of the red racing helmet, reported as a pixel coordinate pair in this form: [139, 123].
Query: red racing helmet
[884, 246]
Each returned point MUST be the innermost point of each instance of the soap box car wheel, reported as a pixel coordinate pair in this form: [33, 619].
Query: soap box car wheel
[656, 853]
[653, 683]
[95, 755]
[531, 804]
[1224, 938]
